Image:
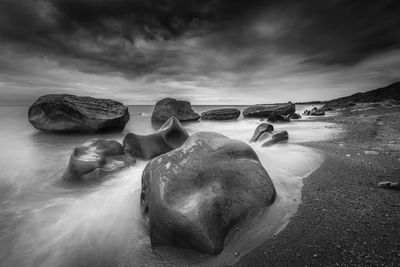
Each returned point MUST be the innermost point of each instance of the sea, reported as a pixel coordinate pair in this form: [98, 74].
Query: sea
[46, 221]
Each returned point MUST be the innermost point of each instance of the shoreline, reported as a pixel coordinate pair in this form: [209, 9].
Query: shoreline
[344, 218]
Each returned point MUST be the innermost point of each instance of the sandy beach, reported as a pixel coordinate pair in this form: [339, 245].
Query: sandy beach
[344, 218]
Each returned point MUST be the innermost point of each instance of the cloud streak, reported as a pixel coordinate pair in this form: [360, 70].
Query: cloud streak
[217, 51]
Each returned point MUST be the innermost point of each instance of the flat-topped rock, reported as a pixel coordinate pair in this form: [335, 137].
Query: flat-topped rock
[221, 114]
[263, 111]
[70, 113]
[170, 107]
[194, 195]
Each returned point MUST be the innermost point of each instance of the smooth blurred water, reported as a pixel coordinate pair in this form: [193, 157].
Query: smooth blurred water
[47, 222]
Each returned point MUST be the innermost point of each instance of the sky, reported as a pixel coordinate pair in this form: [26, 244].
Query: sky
[204, 51]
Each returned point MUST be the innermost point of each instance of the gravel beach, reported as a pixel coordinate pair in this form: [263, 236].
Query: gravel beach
[344, 218]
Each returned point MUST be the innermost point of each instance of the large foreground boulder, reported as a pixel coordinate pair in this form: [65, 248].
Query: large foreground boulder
[170, 136]
[221, 114]
[95, 159]
[193, 196]
[70, 113]
[169, 107]
[263, 111]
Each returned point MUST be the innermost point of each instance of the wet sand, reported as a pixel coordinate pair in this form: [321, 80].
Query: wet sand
[344, 218]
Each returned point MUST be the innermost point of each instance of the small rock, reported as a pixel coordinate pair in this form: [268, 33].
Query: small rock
[371, 152]
[236, 254]
[389, 185]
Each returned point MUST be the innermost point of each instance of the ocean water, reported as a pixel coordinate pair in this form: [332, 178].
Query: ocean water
[48, 222]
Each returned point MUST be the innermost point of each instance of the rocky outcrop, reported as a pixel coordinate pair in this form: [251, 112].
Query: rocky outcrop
[170, 136]
[95, 159]
[265, 133]
[194, 195]
[169, 107]
[263, 111]
[70, 113]
[221, 114]
[263, 127]
[378, 95]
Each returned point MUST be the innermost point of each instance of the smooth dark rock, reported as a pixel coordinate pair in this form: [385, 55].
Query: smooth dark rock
[263, 127]
[96, 158]
[170, 136]
[70, 113]
[275, 117]
[273, 138]
[263, 111]
[194, 195]
[389, 185]
[221, 114]
[169, 107]
[295, 116]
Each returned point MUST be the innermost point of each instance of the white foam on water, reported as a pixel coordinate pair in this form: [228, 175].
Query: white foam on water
[103, 223]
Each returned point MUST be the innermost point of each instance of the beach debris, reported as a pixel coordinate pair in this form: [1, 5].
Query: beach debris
[348, 155]
[236, 254]
[371, 152]
[389, 185]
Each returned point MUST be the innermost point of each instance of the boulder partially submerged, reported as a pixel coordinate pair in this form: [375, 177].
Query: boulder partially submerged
[315, 112]
[194, 195]
[170, 107]
[263, 127]
[264, 111]
[221, 114]
[265, 133]
[95, 159]
[170, 136]
[70, 113]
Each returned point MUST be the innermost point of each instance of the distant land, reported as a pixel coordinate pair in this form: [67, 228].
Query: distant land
[391, 92]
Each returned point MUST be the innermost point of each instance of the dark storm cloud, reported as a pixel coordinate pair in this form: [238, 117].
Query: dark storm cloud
[104, 32]
[208, 49]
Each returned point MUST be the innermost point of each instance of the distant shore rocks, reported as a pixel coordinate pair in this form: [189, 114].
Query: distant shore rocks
[264, 111]
[221, 114]
[170, 107]
[70, 113]
[192, 196]
[315, 112]
[170, 136]
[95, 159]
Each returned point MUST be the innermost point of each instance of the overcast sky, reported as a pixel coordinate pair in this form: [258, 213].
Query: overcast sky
[205, 51]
